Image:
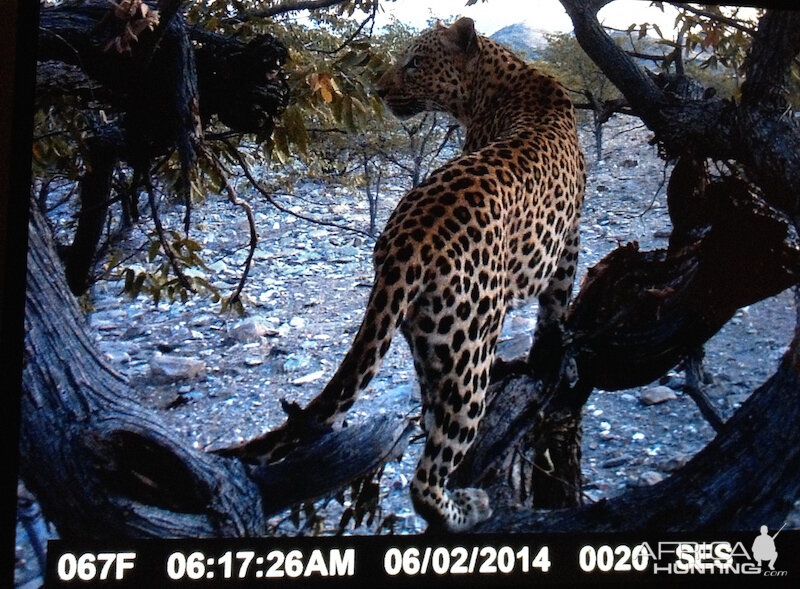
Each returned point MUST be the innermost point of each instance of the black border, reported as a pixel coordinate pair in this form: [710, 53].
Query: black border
[18, 27]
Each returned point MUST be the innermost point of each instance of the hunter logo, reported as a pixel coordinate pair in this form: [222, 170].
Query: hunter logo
[719, 557]
[764, 548]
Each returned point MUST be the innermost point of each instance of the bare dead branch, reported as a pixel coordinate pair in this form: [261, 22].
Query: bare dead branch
[266, 194]
[234, 199]
[350, 38]
[168, 251]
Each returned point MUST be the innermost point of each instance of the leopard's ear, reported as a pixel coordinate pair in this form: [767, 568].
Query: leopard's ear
[463, 34]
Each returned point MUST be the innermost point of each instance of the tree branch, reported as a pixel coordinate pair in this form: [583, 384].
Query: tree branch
[776, 43]
[265, 193]
[293, 7]
[623, 72]
[746, 477]
[234, 199]
[731, 22]
[762, 140]
[350, 38]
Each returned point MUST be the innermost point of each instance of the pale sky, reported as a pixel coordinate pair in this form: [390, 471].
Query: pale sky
[539, 14]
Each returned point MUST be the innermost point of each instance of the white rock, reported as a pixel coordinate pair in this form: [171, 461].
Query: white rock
[309, 377]
[117, 356]
[170, 368]
[251, 329]
[218, 267]
[659, 394]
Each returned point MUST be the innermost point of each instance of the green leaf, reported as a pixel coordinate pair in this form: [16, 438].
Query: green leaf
[281, 143]
[192, 245]
[658, 30]
[136, 288]
[355, 59]
[377, 106]
[358, 105]
[296, 132]
[152, 251]
[361, 45]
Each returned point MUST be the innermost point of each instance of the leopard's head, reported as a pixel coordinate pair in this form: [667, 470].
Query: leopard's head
[433, 73]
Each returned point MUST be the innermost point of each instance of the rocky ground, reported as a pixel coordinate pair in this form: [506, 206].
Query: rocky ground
[217, 378]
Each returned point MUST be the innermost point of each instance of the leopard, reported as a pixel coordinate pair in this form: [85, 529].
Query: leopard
[490, 229]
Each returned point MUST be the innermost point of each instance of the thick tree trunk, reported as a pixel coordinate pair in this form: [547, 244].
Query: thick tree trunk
[100, 465]
[104, 467]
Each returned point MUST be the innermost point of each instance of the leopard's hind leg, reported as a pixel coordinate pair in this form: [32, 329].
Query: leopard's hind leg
[452, 360]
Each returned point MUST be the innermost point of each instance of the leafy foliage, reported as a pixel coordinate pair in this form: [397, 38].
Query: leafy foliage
[157, 278]
[334, 129]
[565, 59]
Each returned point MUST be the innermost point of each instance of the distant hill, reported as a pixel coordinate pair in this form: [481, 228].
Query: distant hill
[522, 39]
[530, 43]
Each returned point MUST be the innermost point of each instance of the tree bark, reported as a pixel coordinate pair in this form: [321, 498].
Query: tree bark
[100, 465]
[103, 150]
[104, 467]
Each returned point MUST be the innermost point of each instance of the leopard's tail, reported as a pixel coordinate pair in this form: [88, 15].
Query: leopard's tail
[392, 293]
[385, 311]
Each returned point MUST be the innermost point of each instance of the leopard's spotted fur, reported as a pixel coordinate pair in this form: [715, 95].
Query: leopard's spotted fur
[495, 225]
